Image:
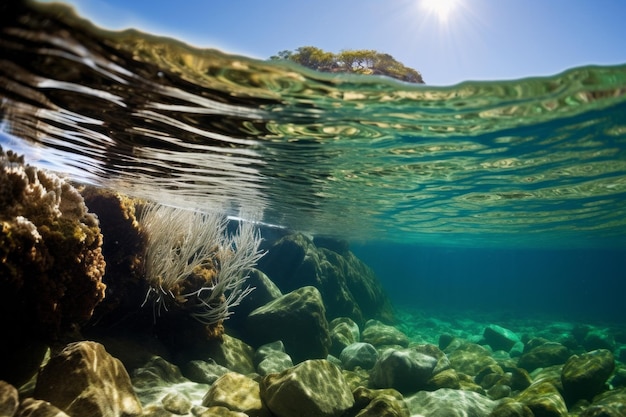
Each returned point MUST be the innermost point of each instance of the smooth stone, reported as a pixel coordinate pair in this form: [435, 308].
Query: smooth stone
[511, 408]
[380, 335]
[312, 388]
[543, 399]
[237, 393]
[298, 319]
[204, 372]
[449, 403]
[176, 403]
[9, 399]
[343, 332]
[379, 403]
[405, 370]
[583, 376]
[275, 363]
[470, 358]
[31, 407]
[359, 354]
[500, 338]
[83, 379]
[544, 355]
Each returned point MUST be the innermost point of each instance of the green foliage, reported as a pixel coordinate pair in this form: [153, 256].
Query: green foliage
[357, 61]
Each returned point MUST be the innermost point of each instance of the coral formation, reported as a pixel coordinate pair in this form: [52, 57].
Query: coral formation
[192, 263]
[51, 262]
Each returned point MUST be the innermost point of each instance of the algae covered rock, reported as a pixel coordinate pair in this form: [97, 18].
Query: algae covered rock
[543, 399]
[9, 399]
[348, 287]
[272, 358]
[32, 407]
[359, 354]
[343, 332]
[379, 403]
[470, 358]
[585, 375]
[405, 370]
[500, 338]
[450, 403]
[380, 335]
[312, 388]
[84, 380]
[298, 319]
[544, 355]
[237, 393]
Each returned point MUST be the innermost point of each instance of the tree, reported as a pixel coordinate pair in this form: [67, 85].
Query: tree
[357, 61]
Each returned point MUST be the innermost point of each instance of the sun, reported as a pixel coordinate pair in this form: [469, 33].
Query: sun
[442, 9]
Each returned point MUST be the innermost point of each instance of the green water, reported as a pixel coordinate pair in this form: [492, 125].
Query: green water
[537, 162]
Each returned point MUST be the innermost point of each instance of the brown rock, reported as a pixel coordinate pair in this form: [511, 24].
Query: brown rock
[237, 393]
[84, 380]
[9, 399]
[585, 375]
[312, 388]
[31, 407]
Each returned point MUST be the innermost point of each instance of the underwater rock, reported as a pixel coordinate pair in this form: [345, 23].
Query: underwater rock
[52, 263]
[598, 339]
[405, 370]
[379, 403]
[520, 379]
[585, 375]
[9, 399]
[158, 378]
[232, 353]
[544, 355]
[511, 408]
[204, 372]
[237, 393]
[500, 338]
[312, 388]
[381, 335]
[271, 358]
[449, 403]
[264, 292]
[348, 287]
[298, 319]
[543, 399]
[343, 332]
[470, 358]
[448, 378]
[31, 407]
[607, 404]
[176, 403]
[359, 354]
[84, 380]
[217, 412]
[123, 249]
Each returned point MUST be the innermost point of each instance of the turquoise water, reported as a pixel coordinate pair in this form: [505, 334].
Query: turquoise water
[509, 194]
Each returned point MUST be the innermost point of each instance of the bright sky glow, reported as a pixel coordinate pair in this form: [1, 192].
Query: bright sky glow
[442, 9]
[448, 41]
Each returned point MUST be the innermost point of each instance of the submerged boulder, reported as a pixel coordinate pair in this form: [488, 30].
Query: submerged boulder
[84, 380]
[500, 338]
[348, 287]
[312, 388]
[450, 403]
[298, 319]
[585, 375]
[405, 370]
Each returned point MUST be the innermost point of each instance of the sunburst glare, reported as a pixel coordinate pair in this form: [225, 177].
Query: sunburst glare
[442, 9]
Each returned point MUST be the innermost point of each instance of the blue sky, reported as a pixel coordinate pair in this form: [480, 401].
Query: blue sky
[477, 40]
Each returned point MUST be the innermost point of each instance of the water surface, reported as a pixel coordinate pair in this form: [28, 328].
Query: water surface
[538, 162]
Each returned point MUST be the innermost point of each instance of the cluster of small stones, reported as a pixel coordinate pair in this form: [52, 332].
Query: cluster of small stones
[373, 371]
